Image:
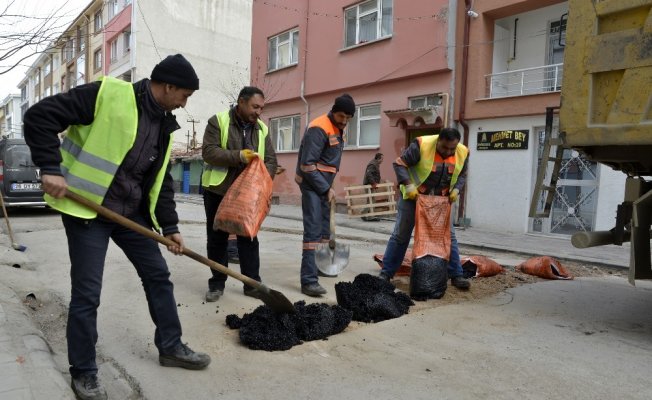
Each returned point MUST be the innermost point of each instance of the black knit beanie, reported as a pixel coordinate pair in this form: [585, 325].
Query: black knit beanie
[345, 104]
[176, 70]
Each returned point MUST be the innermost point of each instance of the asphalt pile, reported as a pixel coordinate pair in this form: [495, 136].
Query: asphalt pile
[264, 329]
[429, 278]
[372, 299]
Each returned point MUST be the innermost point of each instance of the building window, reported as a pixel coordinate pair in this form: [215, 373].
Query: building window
[363, 130]
[113, 8]
[286, 132]
[424, 101]
[114, 51]
[127, 2]
[68, 50]
[283, 50]
[55, 88]
[47, 69]
[126, 36]
[367, 21]
[97, 22]
[97, 59]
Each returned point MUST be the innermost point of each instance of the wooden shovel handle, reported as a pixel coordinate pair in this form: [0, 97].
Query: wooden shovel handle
[127, 223]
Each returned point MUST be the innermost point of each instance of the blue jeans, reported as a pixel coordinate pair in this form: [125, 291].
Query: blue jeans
[88, 241]
[217, 244]
[400, 239]
[316, 227]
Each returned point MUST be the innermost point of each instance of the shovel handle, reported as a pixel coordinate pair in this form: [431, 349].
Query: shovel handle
[127, 223]
[331, 242]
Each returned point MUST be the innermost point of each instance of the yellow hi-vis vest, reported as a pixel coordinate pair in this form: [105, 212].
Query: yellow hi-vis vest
[214, 175]
[92, 153]
[428, 148]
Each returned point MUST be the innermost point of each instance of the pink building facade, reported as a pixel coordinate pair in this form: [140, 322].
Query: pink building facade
[391, 56]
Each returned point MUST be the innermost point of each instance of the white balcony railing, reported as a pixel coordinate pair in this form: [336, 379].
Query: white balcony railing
[524, 81]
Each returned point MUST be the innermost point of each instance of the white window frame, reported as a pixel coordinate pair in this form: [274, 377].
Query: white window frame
[295, 132]
[355, 122]
[114, 51]
[97, 61]
[126, 41]
[355, 12]
[97, 22]
[113, 8]
[273, 61]
[429, 100]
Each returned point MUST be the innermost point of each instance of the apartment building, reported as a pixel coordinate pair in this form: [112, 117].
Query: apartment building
[513, 71]
[393, 57]
[127, 38]
[10, 117]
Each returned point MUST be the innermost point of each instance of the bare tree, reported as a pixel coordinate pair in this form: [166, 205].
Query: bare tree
[23, 36]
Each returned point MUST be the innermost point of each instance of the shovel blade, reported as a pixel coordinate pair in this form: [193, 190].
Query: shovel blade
[275, 300]
[331, 262]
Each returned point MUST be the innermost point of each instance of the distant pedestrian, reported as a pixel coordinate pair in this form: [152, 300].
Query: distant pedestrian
[233, 138]
[115, 153]
[372, 177]
[319, 160]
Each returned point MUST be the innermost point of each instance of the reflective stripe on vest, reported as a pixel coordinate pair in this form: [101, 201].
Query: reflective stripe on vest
[91, 156]
[214, 175]
[428, 148]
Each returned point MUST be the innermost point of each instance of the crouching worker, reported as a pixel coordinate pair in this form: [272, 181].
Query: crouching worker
[232, 139]
[434, 165]
[116, 153]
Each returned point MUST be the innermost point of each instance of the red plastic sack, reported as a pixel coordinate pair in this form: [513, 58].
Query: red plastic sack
[544, 267]
[432, 227]
[406, 265]
[247, 202]
[484, 266]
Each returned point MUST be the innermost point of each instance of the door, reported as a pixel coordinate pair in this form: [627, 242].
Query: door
[575, 202]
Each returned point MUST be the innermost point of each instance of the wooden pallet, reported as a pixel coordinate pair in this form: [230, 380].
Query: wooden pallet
[363, 201]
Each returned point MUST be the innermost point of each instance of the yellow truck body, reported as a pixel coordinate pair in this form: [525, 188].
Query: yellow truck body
[606, 107]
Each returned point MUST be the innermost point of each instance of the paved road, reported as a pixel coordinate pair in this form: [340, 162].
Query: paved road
[588, 339]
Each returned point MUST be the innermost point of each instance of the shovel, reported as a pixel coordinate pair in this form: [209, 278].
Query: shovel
[272, 298]
[332, 257]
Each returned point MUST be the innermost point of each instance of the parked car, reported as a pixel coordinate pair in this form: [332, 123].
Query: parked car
[20, 179]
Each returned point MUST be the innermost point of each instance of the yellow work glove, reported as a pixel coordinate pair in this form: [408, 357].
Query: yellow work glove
[247, 155]
[410, 192]
[452, 197]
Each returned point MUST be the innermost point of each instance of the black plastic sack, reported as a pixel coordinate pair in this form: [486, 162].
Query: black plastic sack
[429, 278]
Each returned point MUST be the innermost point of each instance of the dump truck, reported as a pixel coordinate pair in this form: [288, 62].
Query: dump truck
[606, 114]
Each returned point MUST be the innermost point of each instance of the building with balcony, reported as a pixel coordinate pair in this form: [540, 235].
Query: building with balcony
[127, 38]
[511, 71]
[393, 57]
[10, 117]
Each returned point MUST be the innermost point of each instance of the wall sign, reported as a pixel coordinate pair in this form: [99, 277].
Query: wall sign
[503, 140]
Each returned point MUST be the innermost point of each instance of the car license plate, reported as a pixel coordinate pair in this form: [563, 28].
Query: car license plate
[26, 186]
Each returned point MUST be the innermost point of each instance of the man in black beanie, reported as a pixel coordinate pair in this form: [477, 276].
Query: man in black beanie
[116, 154]
[319, 159]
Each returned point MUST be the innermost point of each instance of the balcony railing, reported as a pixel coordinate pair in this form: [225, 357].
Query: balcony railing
[524, 81]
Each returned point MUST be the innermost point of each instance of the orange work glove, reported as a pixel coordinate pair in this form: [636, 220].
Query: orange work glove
[452, 197]
[247, 155]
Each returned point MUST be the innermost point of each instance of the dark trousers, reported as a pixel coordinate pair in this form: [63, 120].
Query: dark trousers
[87, 245]
[316, 228]
[217, 245]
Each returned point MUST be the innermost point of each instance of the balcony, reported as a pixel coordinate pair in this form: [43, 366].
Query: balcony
[526, 81]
